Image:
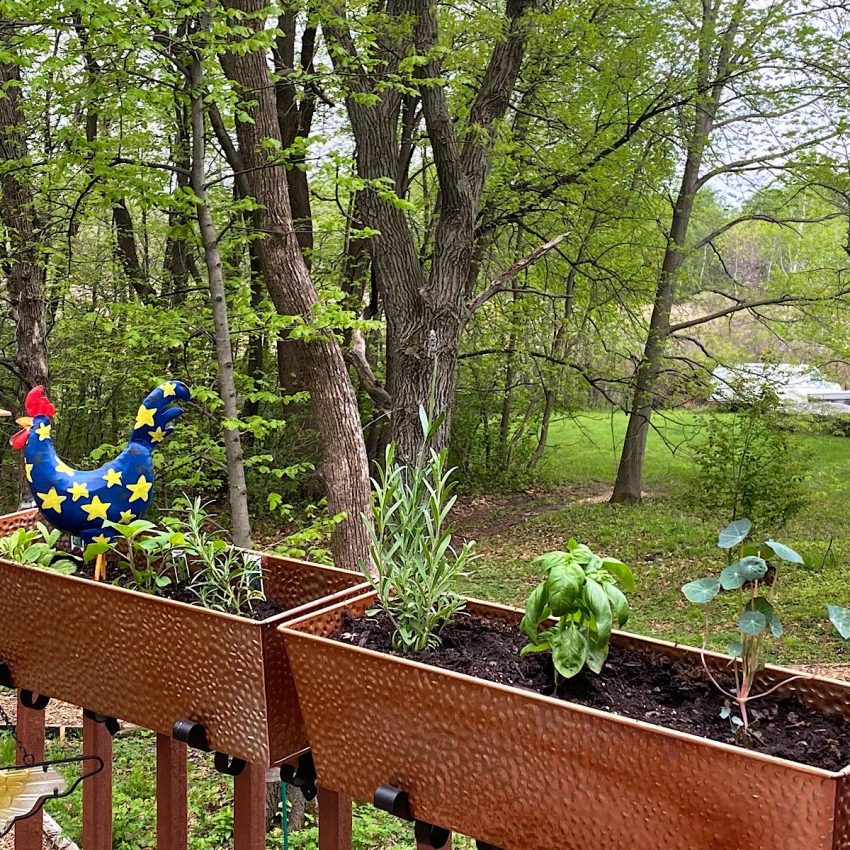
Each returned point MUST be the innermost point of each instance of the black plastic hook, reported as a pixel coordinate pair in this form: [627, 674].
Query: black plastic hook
[5, 676]
[228, 765]
[112, 725]
[483, 845]
[191, 733]
[37, 701]
[428, 833]
[302, 776]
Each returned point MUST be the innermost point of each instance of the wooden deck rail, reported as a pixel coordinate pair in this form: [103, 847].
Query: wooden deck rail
[249, 795]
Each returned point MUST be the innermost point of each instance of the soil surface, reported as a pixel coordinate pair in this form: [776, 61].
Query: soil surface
[178, 591]
[641, 686]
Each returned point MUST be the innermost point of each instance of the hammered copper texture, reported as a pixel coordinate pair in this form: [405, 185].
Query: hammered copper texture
[152, 661]
[527, 772]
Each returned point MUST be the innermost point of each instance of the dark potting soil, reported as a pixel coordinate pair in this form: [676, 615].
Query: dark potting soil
[642, 686]
[261, 609]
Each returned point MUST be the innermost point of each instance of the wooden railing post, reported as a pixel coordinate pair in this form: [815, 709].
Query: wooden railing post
[334, 820]
[172, 830]
[97, 791]
[249, 808]
[30, 734]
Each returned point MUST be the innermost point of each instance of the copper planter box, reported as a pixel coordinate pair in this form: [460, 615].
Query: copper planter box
[154, 661]
[527, 772]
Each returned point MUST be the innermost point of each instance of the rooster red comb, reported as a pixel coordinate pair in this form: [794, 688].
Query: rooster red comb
[38, 404]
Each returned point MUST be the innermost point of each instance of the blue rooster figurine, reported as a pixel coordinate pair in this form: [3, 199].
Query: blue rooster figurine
[79, 502]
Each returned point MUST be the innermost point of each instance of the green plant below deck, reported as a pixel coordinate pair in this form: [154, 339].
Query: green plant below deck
[36, 548]
[584, 592]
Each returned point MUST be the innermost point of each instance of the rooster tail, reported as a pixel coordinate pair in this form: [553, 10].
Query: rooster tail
[155, 409]
[22, 789]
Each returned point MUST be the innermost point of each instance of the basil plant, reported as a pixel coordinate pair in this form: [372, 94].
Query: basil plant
[583, 591]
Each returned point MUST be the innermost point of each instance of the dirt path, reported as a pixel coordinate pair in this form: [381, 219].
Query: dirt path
[480, 517]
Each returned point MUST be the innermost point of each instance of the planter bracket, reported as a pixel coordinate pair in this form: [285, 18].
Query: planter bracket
[431, 835]
[392, 800]
[396, 802]
[112, 725]
[37, 701]
[191, 733]
[5, 676]
[302, 776]
[228, 765]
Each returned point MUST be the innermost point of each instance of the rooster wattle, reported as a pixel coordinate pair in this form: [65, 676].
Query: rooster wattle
[80, 502]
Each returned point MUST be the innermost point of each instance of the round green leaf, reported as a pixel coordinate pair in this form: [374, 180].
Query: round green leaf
[740, 572]
[784, 552]
[840, 618]
[734, 533]
[752, 623]
[702, 590]
[735, 648]
[763, 606]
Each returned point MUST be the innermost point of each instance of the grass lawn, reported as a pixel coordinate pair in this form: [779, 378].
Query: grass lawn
[668, 539]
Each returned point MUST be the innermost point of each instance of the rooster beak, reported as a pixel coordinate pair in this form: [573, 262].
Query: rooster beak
[24, 422]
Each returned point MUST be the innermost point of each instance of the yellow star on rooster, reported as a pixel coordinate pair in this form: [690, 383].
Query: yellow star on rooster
[157, 436]
[63, 467]
[113, 476]
[140, 489]
[145, 416]
[168, 389]
[51, 500]
[78, 490]
[43, 431]
[28, 469]
[96, 509]
[127, 517]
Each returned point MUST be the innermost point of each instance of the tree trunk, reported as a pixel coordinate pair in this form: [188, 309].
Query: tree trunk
[627, 487]
[237, 488]
[23, 262]
[713, 62]
[343, 469]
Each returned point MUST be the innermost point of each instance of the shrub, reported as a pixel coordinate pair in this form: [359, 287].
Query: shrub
[748, 467]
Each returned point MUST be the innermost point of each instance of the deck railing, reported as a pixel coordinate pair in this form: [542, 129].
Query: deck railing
[172, 810]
